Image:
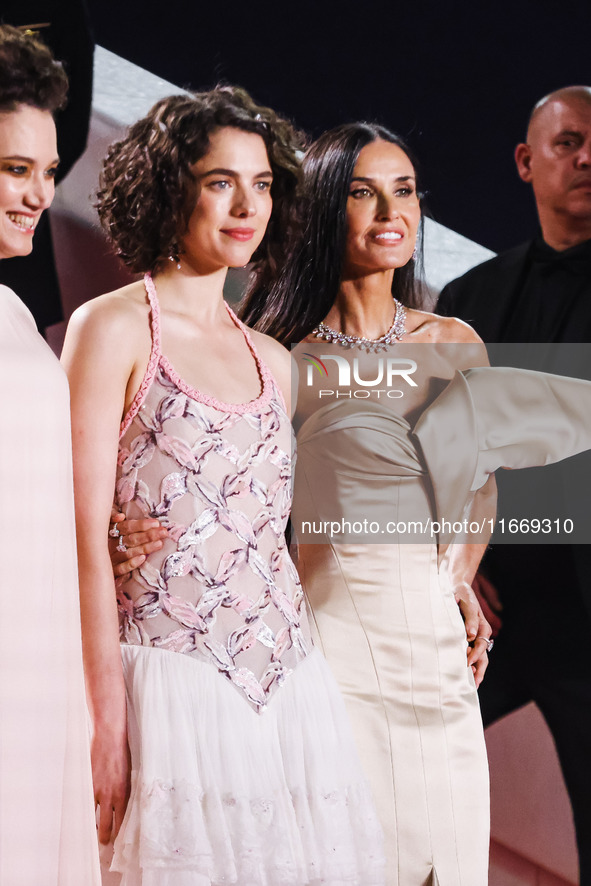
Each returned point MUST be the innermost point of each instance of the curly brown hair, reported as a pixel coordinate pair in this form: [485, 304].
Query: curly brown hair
[147, 191]
[29, 74]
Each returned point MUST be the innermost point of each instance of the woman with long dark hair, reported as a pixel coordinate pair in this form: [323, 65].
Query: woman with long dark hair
[386, 614]
[292, 302]
[393, 425]
[221, 749]
[47, 830]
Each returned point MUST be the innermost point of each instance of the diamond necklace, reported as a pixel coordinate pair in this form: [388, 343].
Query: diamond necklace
[370, 345]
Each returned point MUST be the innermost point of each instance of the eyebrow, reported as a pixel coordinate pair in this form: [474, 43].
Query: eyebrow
[267, 173]
[399, 178]
[572, 132]
[28, 159]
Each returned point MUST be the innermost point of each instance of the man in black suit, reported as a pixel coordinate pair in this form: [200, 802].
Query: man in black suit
[541, 292]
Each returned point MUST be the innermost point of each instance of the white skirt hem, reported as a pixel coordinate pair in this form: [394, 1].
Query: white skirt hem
[224, 795]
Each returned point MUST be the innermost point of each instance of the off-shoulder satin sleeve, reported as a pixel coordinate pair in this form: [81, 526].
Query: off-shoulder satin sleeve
[493, 417]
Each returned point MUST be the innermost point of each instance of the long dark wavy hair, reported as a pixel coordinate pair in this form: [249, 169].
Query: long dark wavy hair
[147, 190]
[307, 285]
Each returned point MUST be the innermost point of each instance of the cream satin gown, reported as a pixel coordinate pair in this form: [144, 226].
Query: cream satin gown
[385, 614]
[47, 827]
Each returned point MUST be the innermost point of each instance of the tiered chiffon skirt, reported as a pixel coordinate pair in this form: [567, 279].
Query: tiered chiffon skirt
[224, 795]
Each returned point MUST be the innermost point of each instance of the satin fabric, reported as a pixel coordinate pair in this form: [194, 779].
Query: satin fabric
[385, 614]
[390, 628]
[47, 828]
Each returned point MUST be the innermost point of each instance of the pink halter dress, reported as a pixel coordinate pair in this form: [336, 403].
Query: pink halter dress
[243, 766]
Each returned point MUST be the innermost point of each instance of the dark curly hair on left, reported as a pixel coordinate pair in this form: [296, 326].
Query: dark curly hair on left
[147, 191]
[29, 74]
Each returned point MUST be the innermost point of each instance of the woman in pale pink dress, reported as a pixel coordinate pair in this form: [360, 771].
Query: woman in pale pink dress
[221, 750]
[47, 829]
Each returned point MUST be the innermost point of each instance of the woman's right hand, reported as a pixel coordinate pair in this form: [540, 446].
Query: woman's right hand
[489, 600]
[140, 538]
[478, 630]
[111, 777]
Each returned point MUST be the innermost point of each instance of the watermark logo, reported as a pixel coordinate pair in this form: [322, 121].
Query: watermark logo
[386, 371]
[314, 363]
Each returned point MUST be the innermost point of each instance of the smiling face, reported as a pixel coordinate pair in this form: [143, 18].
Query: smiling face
[233, 203]
[28, 163]
[383, 211]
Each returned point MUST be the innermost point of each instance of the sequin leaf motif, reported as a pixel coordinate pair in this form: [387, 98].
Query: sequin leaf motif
[241, 604]
[209, 492]
[247, 681]
[260, 566]
[240, 640]
[125, 488]
[275, 673]
[130, 630]
[140, 452]
[298, 640]
[237, 485]
[265, 635]
[172, 407]
[179, 641]
[210, 601]
[238, 524]
[183, 612]
[200, 529]
[147, 416]
[230, 563]
[151, 576]
[177, 564]
[285, 606]
[173, 487]
[177, 449]
[282, 643]
[219, 653]
[223, 587]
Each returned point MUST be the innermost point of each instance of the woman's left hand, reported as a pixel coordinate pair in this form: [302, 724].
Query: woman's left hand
[478, 630]
[140, 537]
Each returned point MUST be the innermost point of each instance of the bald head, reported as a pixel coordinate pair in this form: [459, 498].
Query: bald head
[556, 161]
[567, 96]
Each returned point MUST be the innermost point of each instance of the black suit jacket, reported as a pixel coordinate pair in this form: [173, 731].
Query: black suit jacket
[491, 298]
[488, 297]
[485, 296]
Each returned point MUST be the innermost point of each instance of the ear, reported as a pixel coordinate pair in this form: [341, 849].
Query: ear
[523, 161]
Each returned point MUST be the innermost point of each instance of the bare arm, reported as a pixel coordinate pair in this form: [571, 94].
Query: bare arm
[96, 357]
[464, 559]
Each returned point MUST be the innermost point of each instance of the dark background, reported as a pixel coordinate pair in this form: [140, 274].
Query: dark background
[456, 78]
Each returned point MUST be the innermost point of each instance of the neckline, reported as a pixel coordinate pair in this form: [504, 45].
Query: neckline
[265, 377]
[542, 249]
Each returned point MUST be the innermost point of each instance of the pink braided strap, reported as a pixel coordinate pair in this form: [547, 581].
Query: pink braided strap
[155, 355]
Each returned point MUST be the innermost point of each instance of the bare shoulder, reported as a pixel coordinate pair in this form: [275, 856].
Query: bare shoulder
[279, 361]
[115, 312]
[445, 331]
[424, 326]
[112, 330]
[275, 355]
[127, 303]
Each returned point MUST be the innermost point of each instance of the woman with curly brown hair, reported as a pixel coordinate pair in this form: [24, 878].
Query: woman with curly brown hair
[47, 829]
[235, 752]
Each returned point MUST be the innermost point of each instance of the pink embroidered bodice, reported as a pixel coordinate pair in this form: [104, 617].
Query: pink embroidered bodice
[218, 476]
